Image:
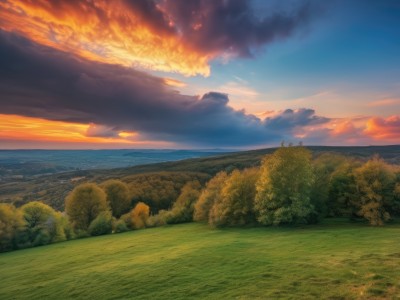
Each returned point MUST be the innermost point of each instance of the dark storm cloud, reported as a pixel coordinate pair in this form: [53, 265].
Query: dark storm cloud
[231, 26]
[38, 81]
[290, 118]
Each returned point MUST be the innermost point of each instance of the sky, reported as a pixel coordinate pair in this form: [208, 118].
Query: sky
[232, 74]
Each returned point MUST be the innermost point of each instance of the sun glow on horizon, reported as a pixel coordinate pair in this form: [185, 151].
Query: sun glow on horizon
[16, 129]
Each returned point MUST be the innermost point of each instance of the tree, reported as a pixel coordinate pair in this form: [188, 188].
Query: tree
[324, 167]
[84, 204]
[235, 205]
[182, 210]
[117, 196]
[342, 193]
[375, 182]
[43, 224]
[11, 222]
[208, 196]
[395, 209]
[284, 187]
[160, 190]
[139, 215]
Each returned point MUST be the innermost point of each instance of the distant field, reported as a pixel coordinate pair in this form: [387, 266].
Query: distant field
[335, 260]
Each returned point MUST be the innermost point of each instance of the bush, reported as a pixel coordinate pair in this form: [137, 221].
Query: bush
[159, 219]
[140, 215]
[101, 225]
[120, 226]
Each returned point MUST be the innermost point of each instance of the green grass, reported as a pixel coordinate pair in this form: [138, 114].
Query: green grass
[330, 261]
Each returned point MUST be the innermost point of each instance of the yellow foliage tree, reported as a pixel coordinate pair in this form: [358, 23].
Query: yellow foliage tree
[375, 182]
[11, 221]
[208, 196]
[84, 204]
[284, 187]
[235, 206]
[117, 196]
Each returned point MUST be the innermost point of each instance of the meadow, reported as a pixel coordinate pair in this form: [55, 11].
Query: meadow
[332, 260]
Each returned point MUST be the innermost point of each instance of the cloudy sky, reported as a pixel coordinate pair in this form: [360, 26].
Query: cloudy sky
[198, 73]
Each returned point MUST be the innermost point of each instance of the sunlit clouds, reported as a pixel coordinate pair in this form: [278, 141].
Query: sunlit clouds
[104, 31]
[168, 36]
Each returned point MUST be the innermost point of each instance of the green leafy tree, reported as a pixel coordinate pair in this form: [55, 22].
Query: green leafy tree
[324, 167]
[235, 205]
[208, 196]
[84, 204]
[284, 187]
[342, 193]
[11, 223]
[43, 224]
[375, 182]
[395, 207]
[182, 210]
[117, 197]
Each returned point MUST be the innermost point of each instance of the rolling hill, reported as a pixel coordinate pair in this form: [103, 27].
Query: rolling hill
[52, 189]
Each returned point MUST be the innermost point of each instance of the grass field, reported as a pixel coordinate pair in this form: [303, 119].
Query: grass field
[335, 260]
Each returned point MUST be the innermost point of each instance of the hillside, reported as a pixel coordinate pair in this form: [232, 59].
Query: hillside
[334, 260]
[53, 189]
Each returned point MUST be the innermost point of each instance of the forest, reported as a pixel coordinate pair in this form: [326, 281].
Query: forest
[291, 186]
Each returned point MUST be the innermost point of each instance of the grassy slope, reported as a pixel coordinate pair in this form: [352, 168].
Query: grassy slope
[192, 261]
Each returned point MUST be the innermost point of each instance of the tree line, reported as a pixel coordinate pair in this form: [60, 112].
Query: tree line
[288, 188]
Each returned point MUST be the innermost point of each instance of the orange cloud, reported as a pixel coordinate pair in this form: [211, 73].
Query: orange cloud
[19, 129]
[104, 31]
[174, 82]
[381, 128]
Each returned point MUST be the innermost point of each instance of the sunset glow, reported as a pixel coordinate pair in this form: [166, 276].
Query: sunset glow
[197, 74]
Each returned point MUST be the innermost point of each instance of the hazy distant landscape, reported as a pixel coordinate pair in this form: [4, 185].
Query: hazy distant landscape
[25, 164]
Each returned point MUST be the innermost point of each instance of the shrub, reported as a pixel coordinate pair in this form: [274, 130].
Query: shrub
[159, 219]
[140, 215]
[120, 226]
[101, 225]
